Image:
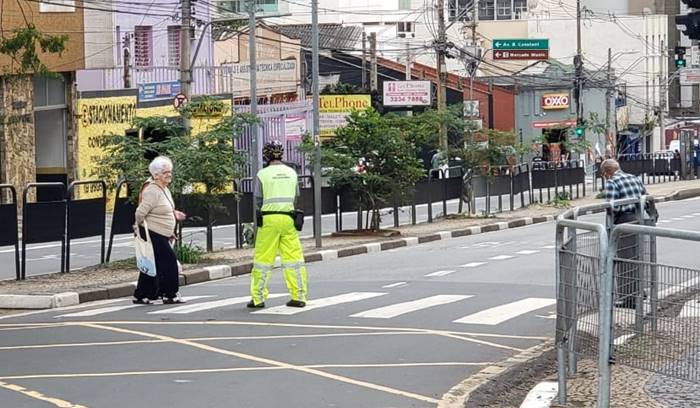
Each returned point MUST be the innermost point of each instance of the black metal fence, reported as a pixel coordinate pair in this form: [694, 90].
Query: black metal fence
[8, 216]
[652, 168]
[67, 218]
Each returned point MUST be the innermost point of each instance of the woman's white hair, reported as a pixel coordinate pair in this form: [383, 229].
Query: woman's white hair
[159, 165]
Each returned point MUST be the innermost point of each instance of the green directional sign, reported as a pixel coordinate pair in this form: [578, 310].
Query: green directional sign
[521, 44]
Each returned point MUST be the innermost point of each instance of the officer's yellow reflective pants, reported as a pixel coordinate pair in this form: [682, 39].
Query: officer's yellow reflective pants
[278, 235]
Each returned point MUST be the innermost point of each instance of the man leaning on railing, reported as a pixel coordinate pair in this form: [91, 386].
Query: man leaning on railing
[620, 186]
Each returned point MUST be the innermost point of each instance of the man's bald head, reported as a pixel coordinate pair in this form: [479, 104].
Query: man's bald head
[609, 167]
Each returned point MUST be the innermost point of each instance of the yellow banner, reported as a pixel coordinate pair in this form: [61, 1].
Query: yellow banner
[99, 118]
[334, 110]
[102, 117]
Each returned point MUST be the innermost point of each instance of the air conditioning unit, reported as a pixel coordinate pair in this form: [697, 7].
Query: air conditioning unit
[405, 29]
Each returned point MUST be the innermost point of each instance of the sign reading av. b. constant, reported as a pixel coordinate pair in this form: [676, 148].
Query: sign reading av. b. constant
[555, 101]
[407, 93]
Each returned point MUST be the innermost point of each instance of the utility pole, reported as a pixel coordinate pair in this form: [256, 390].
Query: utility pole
[409, 67]
[316, 125]
[255, 148]
[608, 96]
[127, 61]
[475, 23]
[364, 60]
[663, 83]
[440, 49]
[373, 61]
[185, 50]
[578, 63]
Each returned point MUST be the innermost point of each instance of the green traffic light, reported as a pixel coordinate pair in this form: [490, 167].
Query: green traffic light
[680, 63]
[580, 131]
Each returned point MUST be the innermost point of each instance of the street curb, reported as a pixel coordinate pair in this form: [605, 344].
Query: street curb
[39, 301]
[217, 272]
[460, 393]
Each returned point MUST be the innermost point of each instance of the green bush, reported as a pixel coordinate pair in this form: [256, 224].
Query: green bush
[188, 253]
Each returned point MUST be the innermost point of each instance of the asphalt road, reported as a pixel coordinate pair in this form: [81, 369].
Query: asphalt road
[392, 329]
[45, 258]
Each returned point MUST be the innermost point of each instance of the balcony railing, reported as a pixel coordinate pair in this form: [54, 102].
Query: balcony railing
[206, 80]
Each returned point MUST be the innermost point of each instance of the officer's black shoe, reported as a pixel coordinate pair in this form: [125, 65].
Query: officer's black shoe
[296, 303]
[252, 305]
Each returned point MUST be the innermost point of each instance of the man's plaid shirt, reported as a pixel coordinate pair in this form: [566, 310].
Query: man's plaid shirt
[622, 186]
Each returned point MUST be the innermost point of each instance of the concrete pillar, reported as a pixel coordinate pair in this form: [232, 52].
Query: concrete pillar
[17, 142]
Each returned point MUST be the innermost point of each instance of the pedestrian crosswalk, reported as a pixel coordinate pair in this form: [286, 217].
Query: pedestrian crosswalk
[398, 309]
[499, 314]
[355, 306]
[319, 303]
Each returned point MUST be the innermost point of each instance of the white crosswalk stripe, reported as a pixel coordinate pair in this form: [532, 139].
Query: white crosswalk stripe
[399, 309]
[111, 309]
[394, 285]
[527, 252]
[439, 273]
[198, 307]
[320, 303]
[499, 314]
[472, 265]
[500, 257]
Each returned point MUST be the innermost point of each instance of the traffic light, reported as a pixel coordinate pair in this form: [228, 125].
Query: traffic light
[680, 57]
[691, 21]
[580, 131]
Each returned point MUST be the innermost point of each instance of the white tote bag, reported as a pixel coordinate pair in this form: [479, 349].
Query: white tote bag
[145, 259]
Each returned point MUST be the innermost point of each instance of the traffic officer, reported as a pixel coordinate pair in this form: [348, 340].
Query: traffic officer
[276, 192]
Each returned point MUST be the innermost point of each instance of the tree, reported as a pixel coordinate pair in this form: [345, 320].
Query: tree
[21, 47]
[206, 164]
[373, 160]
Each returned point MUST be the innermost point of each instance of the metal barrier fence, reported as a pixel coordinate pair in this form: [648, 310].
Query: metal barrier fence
[619, 304]
[559, 175]
[652, 168]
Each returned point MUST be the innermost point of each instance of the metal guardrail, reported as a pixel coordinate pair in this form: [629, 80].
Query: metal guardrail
[617, 303]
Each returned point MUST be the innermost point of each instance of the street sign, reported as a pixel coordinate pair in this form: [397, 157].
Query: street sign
[407, 93]
[521, 55]
[471, 109]
[690, 76]
[521, 44]
[553, 123]
[158, 90]
[179, 100]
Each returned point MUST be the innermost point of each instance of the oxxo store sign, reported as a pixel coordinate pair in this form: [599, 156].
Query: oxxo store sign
[556, 101]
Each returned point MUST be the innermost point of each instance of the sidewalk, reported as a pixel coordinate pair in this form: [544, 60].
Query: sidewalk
[117, 279]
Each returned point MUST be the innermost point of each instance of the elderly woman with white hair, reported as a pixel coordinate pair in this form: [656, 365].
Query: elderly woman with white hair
[157, 208]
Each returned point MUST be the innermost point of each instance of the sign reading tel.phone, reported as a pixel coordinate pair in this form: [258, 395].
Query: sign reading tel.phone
[407, 93]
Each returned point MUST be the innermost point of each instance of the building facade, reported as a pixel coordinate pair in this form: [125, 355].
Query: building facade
[37, 132]
[146, 40]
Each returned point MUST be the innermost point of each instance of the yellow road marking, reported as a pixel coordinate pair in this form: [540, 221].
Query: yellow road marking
[39, 396]
[267, 324]
[271, 362]
[236, 369]
[44, 326]
[222, 338]
[482, 342]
